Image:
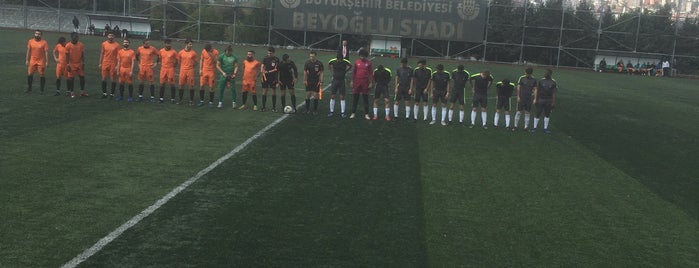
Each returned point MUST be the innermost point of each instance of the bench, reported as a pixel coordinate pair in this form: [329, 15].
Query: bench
[382, 52]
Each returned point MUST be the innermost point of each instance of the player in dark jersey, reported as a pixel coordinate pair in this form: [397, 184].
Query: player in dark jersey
[525, 88]
[480, 83]
[382, 77]
[545, 100]
[339, 66]
[313, 80]
[460, 77]
[288, 74]
[403, 88]
[504, 90]
[422, 77]
[270, 78]
[439, 92]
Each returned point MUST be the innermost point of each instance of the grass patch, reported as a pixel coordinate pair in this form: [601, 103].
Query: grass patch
[614, 185]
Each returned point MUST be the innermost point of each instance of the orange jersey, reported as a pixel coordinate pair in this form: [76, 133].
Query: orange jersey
[146, 56]
[168, 58]
[126, 57]
[75, 52]
[109, 52]
[37, 51]
[208, 60]
[61, 51]
[187, 59]
[250, 70]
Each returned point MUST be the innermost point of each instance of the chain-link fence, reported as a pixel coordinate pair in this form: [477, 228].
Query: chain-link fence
[557, 32]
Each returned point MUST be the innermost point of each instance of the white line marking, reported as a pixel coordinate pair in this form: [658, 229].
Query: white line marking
[152, 208]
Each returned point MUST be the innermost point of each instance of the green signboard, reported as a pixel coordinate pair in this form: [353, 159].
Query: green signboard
[460, 20]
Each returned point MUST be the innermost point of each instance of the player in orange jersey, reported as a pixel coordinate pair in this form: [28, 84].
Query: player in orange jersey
[107, 65]
[59, 55]
[251, 73]
[37, 59]
[146, 56]
[75, 55]
[187, 59]
[207, 67]
[167, 57]
[125, 62]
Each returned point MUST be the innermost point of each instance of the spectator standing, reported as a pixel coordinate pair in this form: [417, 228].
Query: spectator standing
[76, 24]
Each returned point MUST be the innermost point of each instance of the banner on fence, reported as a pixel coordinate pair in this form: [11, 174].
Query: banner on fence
[462, 20]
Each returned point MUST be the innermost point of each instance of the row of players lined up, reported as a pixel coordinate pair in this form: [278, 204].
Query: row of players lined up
[420, 83]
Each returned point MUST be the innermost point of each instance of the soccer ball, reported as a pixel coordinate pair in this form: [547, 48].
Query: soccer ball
[288, 109]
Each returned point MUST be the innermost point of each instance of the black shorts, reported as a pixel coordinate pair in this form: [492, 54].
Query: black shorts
[440, 96]
[313, 86]
[545, 106]
[503, 103]
[270, 83]
[420, 95]
[338, 86]
[457, 95]
[380, 91]
[402, 94]
[524, 104]
[480, 100]
[286, 85]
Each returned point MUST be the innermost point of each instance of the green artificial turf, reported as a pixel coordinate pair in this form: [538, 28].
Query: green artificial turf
[615, 184]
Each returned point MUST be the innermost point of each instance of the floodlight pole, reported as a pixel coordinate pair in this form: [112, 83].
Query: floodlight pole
[524, 30]
[59, 16]
[560, 36]
[164, 33]
[235, 22]
[199, 23]
[449, 45]
[638, 26]
[674, 37]
[485, 39]
[26, 14]
[269, 25]
[599, 31]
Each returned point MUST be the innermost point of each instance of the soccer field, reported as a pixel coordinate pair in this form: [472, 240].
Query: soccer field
[616, 183]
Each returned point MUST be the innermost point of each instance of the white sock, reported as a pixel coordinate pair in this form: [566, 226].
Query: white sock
[395, 110]
[507, 120]
[332, 105]
[517, 116]
[546, 122]
[388, 112]
[407, 112]
[484, 117]
[434, 113]
[473, 117]
[451, 114]
[496, 119]
[461, 116]
[376, 111]
[526, 120]
[424, 112]
[444, 114]
[415, 111]
[343, 104]
[536, 122]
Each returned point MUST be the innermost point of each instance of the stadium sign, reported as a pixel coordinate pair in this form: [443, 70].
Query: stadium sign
[461, 20]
